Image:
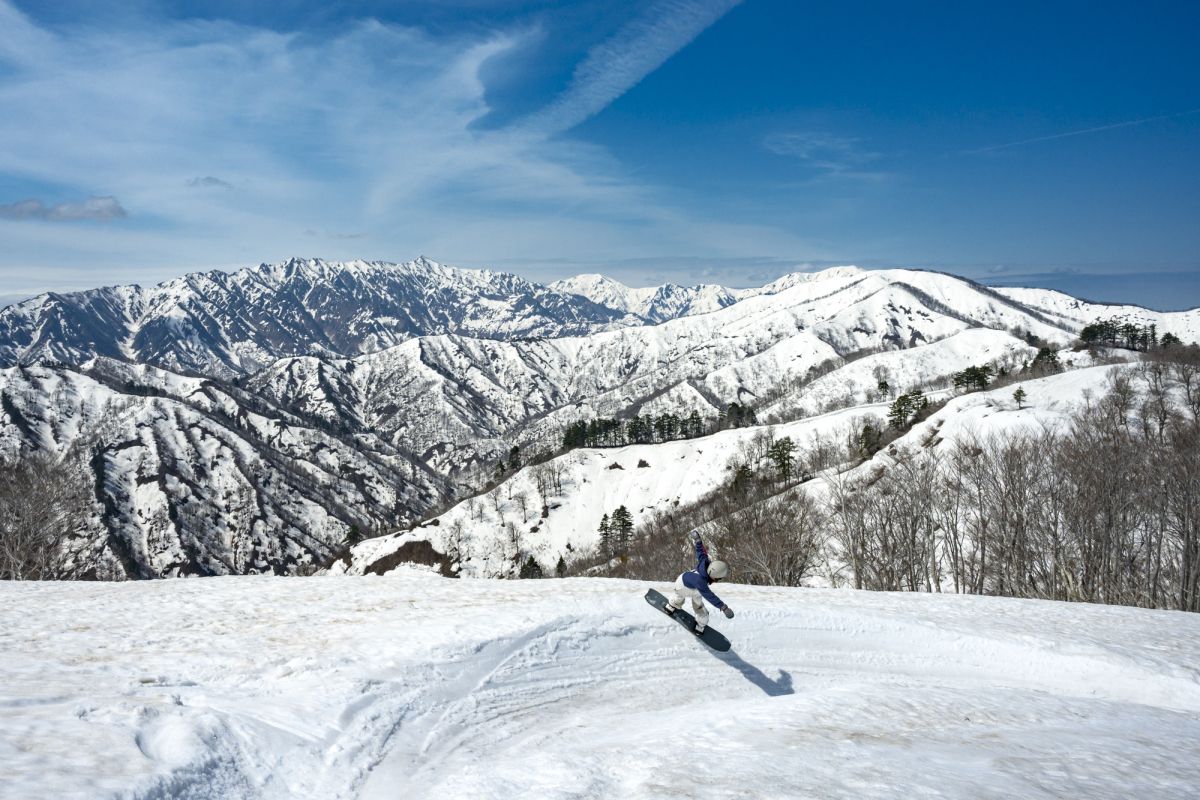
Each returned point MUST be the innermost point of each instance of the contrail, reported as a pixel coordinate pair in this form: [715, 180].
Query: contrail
[1081, 132]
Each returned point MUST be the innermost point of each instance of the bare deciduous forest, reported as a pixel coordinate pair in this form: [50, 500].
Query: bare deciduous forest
[1104, 509]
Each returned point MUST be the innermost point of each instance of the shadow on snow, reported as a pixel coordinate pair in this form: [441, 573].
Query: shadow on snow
[774, 688]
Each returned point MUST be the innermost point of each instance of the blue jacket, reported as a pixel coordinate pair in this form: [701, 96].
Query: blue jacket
[698, 578]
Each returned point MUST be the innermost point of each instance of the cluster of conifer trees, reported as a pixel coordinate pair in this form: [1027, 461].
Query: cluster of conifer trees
[648, 429]
[1114, 333]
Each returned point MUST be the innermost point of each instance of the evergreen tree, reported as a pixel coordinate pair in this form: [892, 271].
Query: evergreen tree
[621, 529]
[531, 569]
[514, 457]
[1046, 361]
[869, 440]
[905, 407]
[782, 455]
[901, 409]
[606, 538]
[561, 568]
[741, 479]
[973, 378]
[1019, 396]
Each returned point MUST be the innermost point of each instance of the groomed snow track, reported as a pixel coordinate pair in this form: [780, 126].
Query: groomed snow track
[412, 686]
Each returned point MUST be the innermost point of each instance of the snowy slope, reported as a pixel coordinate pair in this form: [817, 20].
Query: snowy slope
[458, 400]
[1073, 311]
[488, 531]
[422, 687]
[193, 477]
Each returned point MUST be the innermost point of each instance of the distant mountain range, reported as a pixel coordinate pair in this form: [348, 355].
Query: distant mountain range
[224, 324]
[257, 420]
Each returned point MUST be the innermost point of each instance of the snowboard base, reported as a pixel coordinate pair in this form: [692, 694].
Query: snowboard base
[710, 637]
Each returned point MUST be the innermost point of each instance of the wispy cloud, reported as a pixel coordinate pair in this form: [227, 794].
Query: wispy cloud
[370, 127]
[829, 155]
[1081, 132]
[94, 208]
[209, 182]
[616, 65]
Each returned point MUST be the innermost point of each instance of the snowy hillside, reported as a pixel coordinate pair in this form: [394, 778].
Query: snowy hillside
[218, 323]
[1076, 312]
[420, 687]
[191, 477]
[488, 531]
[377, 424]
[455, 399]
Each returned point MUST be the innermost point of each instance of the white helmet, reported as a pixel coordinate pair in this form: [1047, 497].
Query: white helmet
[718, 570]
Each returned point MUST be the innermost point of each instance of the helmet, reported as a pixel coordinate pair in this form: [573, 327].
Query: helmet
[718, 570]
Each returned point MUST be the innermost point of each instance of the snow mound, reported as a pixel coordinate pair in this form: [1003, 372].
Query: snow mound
[416, 686]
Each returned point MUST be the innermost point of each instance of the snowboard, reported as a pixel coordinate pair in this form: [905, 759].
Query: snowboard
[710, 637]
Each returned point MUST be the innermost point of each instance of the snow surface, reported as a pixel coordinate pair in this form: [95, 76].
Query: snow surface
[417, 686]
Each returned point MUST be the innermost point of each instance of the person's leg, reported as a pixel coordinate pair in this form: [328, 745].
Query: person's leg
[675, 601]
[700, 612]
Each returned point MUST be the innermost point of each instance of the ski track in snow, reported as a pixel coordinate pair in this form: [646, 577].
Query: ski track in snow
[416, 686]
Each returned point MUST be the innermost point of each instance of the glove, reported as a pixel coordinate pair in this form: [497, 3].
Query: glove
[728, 612]
[695, 535]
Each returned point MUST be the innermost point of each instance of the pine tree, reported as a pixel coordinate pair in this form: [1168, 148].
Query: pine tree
[531, 569]
[561, 568]
[1019, 396]
[782, 455]
[514, 457]
[621, 529]
[741, 479]
[606, 543]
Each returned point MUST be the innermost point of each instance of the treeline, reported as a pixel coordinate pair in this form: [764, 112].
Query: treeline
[1104, 509]
[649, 429]
[1126, 335]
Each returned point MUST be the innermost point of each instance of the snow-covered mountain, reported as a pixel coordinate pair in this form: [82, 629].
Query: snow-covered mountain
[418, 687]
[456, 400]
[223, 324]
[269, 468]
[653, 304]
[1075, 312]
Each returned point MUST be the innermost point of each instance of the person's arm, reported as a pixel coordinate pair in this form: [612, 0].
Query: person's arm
[702, 559]
[712, 598]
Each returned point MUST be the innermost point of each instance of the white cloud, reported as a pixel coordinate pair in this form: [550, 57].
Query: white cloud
[828, 154]
[618, 64]
[371, 129]
[94, 208]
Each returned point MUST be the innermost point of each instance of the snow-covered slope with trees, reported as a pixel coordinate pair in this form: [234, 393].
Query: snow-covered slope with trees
[372, 422]
[458, 400]
[187, 476]
[1077, 313]
[420, 687]
[554, 509]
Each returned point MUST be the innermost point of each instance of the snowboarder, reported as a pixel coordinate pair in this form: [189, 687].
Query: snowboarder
[694, 584]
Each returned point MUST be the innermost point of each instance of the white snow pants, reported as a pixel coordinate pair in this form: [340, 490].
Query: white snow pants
[699, 610]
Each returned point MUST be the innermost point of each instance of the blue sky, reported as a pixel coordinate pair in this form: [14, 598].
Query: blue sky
[687, 140]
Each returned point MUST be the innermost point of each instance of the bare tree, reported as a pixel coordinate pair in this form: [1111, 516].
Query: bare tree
[43, 502]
